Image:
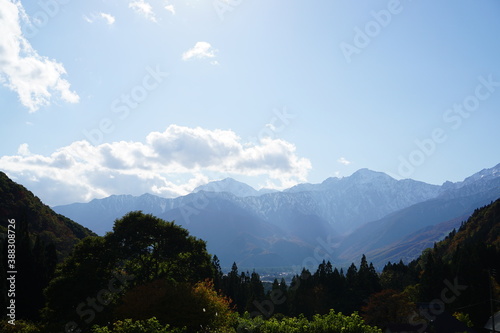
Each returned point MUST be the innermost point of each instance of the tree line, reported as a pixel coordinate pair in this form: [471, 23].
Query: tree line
[152, 274]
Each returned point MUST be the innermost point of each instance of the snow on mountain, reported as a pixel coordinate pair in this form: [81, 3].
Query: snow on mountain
[233, 186]
[250, 226]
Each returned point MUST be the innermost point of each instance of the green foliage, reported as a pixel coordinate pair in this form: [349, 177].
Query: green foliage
[465, 258]
[16, 202]
[387, 307]
[151, 325]
[179, 304]
[37, 263]
[42, 238]
[331, 322]
[151, 248]
[141, 249]
[398, 276]
[243, 289]
[464, 318]
[20, 327]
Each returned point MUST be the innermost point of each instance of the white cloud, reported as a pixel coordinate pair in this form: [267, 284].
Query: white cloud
[33, 77]
[23, 150]
[343, 161]
[143, 8]
[170, 8]
[80, 171]
[110, 19]
[201, 50]
[88, 19]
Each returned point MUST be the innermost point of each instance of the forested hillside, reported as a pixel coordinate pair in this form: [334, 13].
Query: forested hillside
[40, 221]
[41, 238]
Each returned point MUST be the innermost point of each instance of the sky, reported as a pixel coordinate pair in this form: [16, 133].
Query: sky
[106, 97]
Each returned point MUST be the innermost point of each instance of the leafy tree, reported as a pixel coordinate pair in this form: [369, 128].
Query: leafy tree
[140, 249]
[151, 248]
[179, 304]
[398, 276]
[386, 307]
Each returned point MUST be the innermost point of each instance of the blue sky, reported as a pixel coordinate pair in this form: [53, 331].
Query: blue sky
[127, 97]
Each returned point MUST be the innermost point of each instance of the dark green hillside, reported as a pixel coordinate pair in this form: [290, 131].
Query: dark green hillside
[482, 227]
[16, 202]
[41, 239]
[469, 259]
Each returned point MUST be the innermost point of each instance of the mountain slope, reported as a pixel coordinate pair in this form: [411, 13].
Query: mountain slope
[273, 229]
[482, 227]
[16, 202]
[387, 235]
[470, 257]
[99, 214]
[411, 246]
[232, 186]
[286, 227]
[344, 203]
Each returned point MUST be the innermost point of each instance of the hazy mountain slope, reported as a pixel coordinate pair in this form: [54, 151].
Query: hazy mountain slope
[411, 246]
[16, 202]
[232, 186]
[455, 201]
[100, 214]
[344, 203]
[284, 227]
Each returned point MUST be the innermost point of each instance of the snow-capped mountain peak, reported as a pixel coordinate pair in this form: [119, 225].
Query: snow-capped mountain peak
[229, 185]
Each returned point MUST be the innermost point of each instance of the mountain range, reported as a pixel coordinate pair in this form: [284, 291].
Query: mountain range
[366, 213]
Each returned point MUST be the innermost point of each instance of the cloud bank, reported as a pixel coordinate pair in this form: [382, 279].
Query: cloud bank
[33, 77]
[81, 171]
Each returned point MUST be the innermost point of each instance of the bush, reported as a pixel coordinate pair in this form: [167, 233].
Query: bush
[20, 327]
[151, 325]
[331, 322]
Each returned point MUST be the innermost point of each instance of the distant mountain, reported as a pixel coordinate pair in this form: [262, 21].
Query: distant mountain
[367, 213]
[273, 229]
[410, 247]
[407, 232]
[16, 202]
[344, 203]
[235, 233]
[99, 214]
[232, 186]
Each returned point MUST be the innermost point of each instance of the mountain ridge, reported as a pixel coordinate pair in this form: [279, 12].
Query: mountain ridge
[301, 215]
